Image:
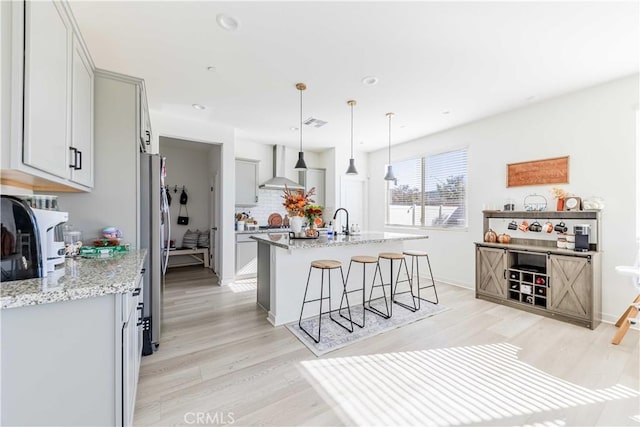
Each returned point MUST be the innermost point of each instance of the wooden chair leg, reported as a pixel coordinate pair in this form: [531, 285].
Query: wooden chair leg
[624, 326]
[625, 315]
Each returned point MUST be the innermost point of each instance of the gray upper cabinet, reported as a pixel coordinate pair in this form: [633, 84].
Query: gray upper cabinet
[81, 118]
[46, 88]
[246, 182]
[145, 120]
[51, 92]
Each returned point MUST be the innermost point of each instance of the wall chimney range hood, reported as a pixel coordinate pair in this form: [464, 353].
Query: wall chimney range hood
[278, 181]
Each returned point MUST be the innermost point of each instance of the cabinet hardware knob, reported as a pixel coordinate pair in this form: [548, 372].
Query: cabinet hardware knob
[148, 140]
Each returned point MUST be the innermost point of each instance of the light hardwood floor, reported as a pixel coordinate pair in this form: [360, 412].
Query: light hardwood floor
[220, 362]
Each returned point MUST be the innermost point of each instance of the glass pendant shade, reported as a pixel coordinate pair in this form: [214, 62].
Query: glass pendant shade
[300, 164]
[351, 170]
[389, 176]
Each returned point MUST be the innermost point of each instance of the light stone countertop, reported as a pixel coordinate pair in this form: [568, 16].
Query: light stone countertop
[264, 230]
[80, 278]
[282, 240]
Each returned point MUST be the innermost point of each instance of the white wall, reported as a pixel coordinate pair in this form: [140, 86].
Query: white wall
[596, 127]
[207, 132]
[189, 167]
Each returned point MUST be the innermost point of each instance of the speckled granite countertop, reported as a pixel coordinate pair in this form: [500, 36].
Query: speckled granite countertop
[282, 240]
[263, 230]
[81, 278]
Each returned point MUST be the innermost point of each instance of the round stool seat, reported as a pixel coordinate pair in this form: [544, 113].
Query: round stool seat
[365, 259]
[326, 264]
[411, 252]
[391, 255]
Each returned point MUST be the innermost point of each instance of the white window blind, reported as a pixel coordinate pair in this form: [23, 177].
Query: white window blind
[430, 191]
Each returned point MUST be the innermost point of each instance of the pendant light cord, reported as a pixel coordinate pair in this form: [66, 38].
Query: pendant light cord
[390, 138]
[301, 120]
[352, 130]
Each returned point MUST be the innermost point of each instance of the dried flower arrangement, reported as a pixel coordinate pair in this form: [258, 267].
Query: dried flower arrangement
[295, 201]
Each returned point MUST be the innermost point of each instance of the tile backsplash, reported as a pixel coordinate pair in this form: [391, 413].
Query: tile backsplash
[269, 201]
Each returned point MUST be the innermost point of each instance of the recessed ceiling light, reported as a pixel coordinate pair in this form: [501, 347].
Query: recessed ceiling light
[227, 22]
[369, 80]
[294, 128]
[198, 106]
[361, 142]
[445, 112]
[211, 68]
[403, 127]
[531, 98]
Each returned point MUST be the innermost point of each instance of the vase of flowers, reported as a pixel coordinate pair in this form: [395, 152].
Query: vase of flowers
[313, 213]
[296, 202]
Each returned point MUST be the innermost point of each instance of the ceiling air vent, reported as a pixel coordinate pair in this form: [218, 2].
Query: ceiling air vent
[316, 123]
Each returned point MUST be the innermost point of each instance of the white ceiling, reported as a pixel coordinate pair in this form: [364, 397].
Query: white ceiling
[473, 59]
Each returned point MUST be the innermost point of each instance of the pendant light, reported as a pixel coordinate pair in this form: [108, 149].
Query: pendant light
[351, 170]
[389, 176]
[301, 165]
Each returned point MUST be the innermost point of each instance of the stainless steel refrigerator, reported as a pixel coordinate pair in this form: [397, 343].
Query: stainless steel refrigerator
[155, 232]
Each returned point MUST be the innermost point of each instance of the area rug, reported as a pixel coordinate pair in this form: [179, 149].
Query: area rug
[334, 336]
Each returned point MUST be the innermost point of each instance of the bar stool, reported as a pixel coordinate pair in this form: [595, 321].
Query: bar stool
[364, 260]
[324, 265]
[415, 257]
[392, 256]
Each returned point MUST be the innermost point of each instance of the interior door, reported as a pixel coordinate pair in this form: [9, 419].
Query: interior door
[213, 221]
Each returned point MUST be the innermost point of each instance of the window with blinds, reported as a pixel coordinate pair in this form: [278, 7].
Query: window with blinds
[429, 191]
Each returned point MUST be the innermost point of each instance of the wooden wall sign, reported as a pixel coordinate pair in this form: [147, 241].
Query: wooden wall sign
[547, 171]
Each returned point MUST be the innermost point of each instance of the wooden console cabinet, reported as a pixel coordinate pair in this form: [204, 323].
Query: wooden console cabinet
[534, 275]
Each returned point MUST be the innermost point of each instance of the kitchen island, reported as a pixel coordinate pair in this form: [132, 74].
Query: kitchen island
[283, 267]
[71, 343]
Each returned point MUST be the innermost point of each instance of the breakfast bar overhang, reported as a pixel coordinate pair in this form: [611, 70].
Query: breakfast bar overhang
[283, 266]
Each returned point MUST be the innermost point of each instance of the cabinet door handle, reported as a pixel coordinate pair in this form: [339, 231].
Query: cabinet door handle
[504, 274]
[148, 140]
[78, 160]
[75, 157]
[256, 199]
[140, 307]
[136, 292]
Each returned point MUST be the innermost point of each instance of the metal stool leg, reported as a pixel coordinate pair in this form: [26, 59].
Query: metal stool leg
[344, 295]
[386, 315]
[304, 301]
[413, 307]
[432, 285]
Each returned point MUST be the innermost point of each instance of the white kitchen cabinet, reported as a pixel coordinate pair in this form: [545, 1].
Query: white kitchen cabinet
[117, 161]
[51, 92]
[46, 88]
[81, 117]
[144, 120]
[71, 363]
[246, 182]
[246, 256]
[131, 333]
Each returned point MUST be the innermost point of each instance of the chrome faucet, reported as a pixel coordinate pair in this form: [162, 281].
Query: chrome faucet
[345, 230]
